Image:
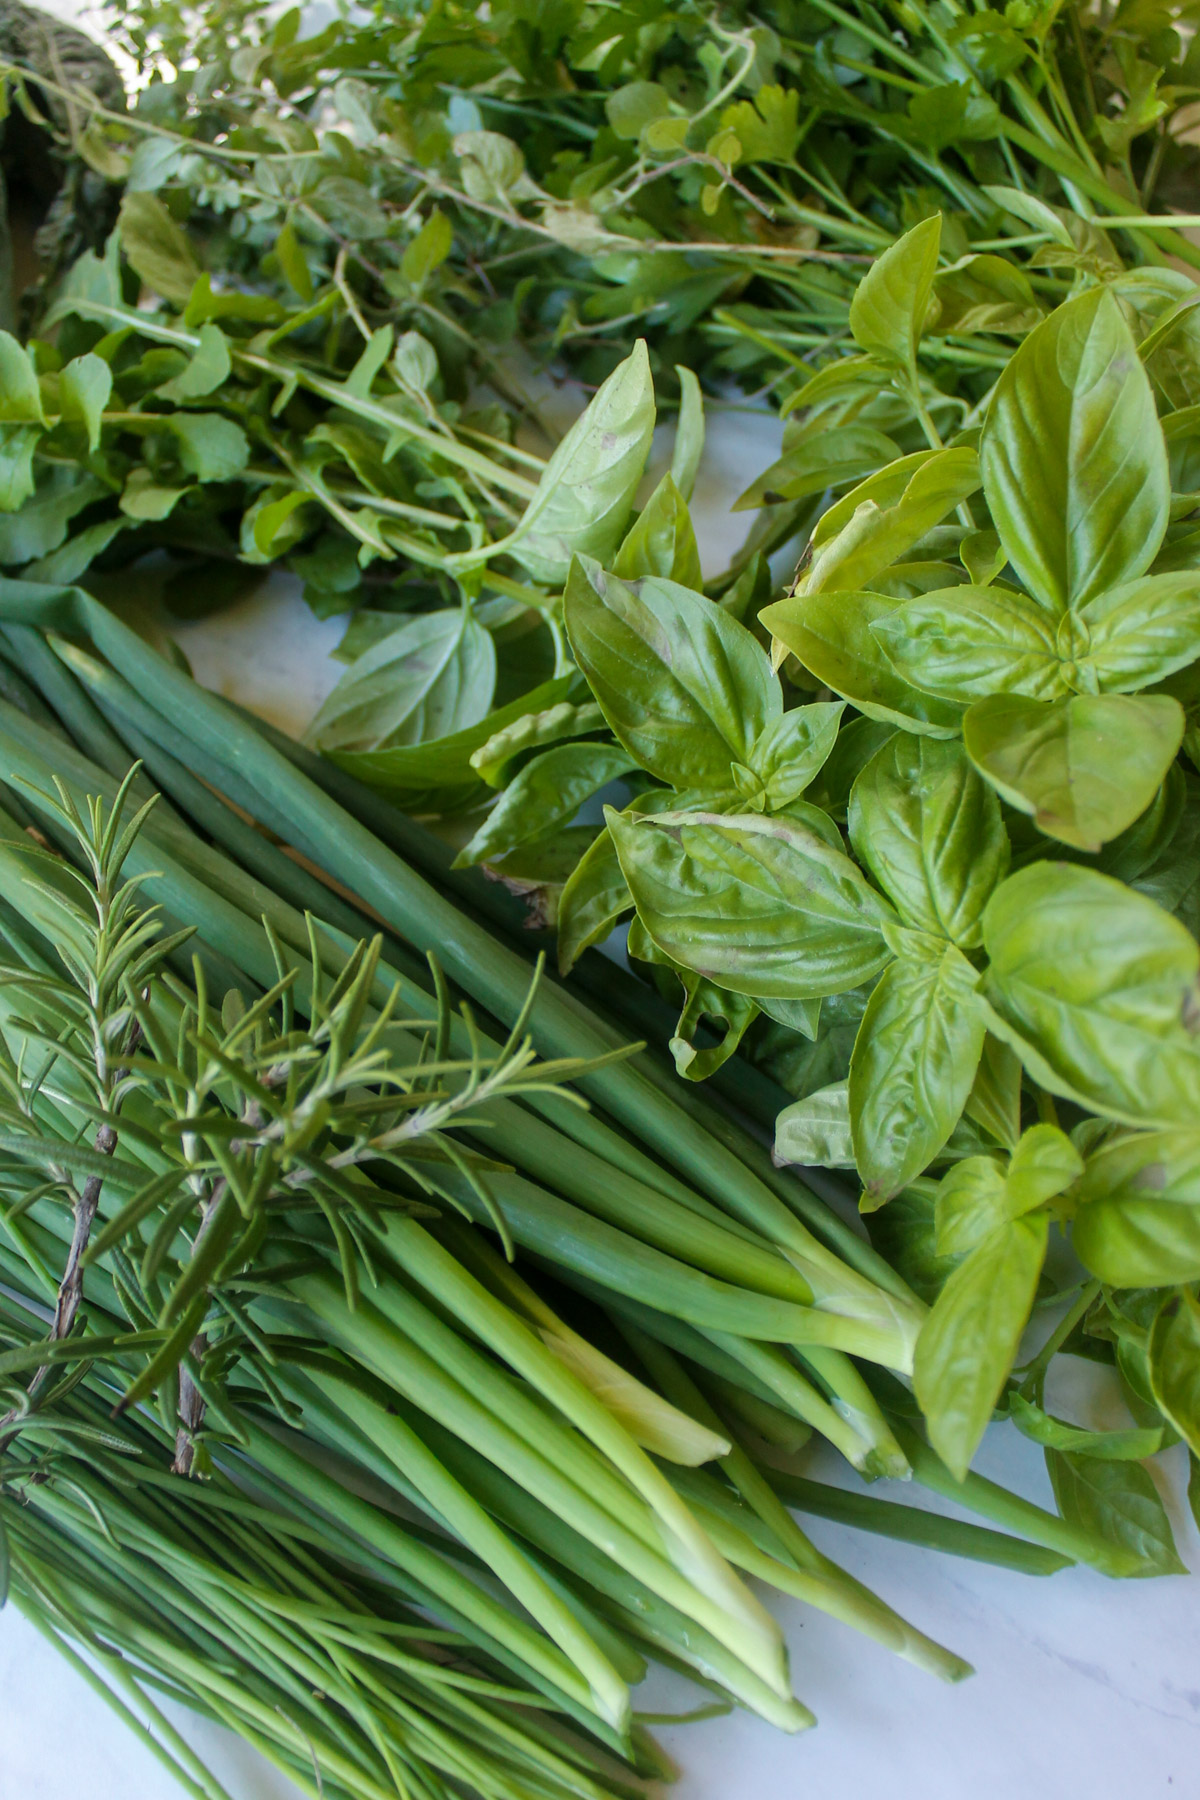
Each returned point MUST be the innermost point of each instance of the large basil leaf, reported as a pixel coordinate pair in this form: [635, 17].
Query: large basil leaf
[585, 493]
[1074, 466]
[816, 1130]
[1119, 1502]
[913, 1064]
[1096, 988]
[1138, 1217]
[879, 521]
[969, 1341]
[831, 634]
[661, 540]
[760, 906]
[543, 795]
[792, 751]
[1142, 632]
[1085, 767]
[684, 687]
[432, 677]
[891, 303]
[929, 830]
[1174, 1361]
[967, 642]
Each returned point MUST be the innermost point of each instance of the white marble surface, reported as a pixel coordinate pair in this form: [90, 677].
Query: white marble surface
[1086, 1689]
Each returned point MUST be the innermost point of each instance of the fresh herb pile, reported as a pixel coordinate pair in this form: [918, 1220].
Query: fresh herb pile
[908, 838]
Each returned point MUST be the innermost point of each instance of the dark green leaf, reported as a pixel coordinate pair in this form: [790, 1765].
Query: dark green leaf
[544, 795]
[1174, 1360]
[430, 678]
[156, 248]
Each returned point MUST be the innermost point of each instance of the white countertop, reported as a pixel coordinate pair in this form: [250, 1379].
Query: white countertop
[1087, 1689]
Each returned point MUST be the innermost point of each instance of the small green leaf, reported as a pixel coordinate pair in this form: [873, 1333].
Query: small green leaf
[760, 906]
[1174, 1361]
[971, 1203]
[292, 260]
[829, 459]
[84, 387]
[791, 751]
[688, 448]
[545, 794]
[1084, 767]
[815, 1131]
[20, 393]
[661, 541]
[583, 498]
[209, 367]
[156, 248]
[495, 761]
[891, 303]
[913, 1064]
[970, 1340]
[631, 108]
[930, 832]
[882, 518]
[210, 446]
[594, 898]
[428, 250]
[1074, 466]
[1120, 1503]
[684, 687]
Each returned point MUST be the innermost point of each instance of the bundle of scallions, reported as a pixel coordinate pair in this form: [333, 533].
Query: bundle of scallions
[450, 1351]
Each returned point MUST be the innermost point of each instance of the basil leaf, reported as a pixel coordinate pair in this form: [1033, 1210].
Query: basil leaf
[903, 1233]
[1105, 1446]
[661, 540]
[593, 899]
[156, 248]
[1074, 466]
[791, 752]
[891, 303]
[880, 520]
[969, 1341]
[929, 830]
[1174, 1361]
[430, 678]
[967, 642]
[832, 636]
[816, 1130]
[1138, 1217]
[760, 906]
[995, 1098]
[684, 687]
[494, 762]
[913, 1064]
[971, 1203]
[444, 761]
[689, 433]
[544, 795]
[1085, 767]
[1096, 988]
[1044, 1162]
[1119, 1502]
[586, 490]
[1143, 631]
